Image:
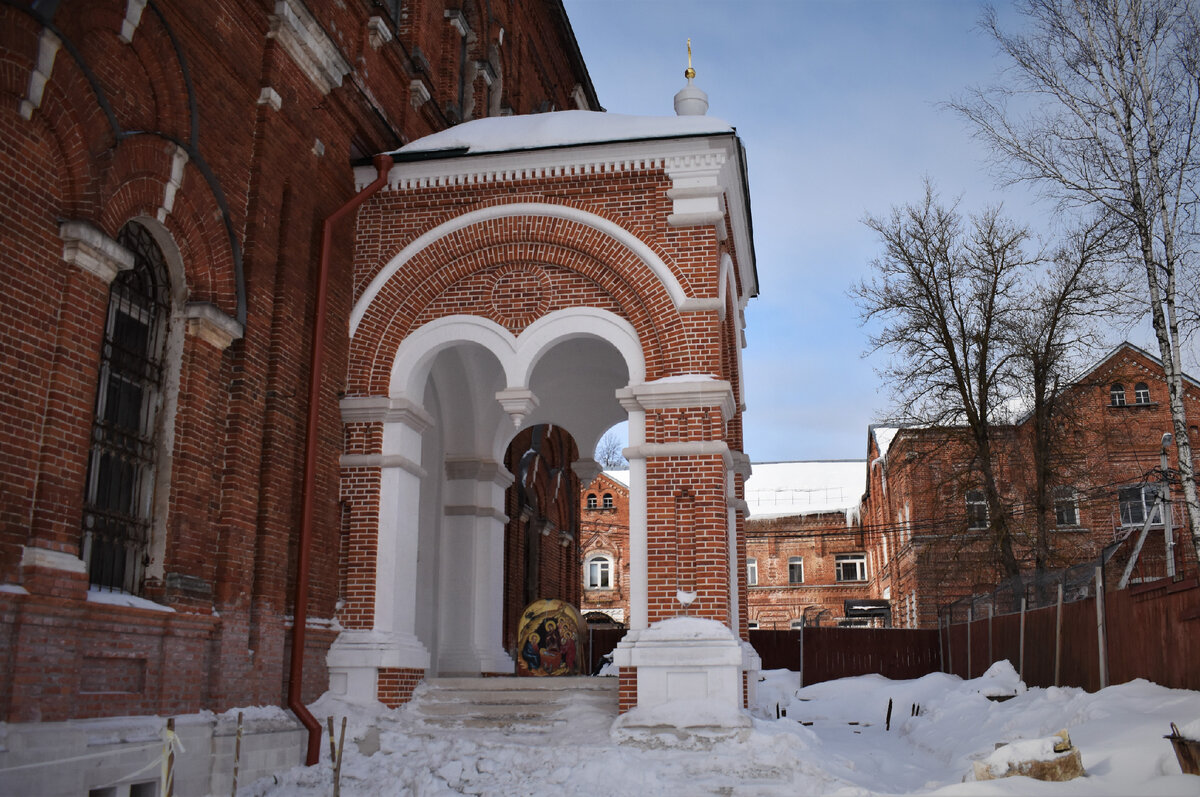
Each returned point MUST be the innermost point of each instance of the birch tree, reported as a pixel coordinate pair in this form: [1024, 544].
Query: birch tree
[1101, 113]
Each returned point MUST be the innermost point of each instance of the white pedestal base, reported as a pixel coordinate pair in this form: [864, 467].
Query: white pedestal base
[355, 658]
[689, 675]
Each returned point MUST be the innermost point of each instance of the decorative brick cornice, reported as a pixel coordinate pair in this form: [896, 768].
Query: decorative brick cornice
[207, 322]
[382, 409]
[294, 27]
[90, 249]
[683, 392]
[382, 461]
[696, 448]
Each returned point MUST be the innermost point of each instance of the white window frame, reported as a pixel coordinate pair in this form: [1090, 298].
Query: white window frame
[1116, 395]
[1141, 393]
[592, 503]
[607, 501]
[751, 571]
[796, 625]
[844, 562]
[1135, 513]
[974, 500]
[598, 569]
[1065, 498]
[796, 562]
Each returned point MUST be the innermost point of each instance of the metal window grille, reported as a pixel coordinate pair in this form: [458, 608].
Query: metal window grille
[119, 495]
[1138, 502]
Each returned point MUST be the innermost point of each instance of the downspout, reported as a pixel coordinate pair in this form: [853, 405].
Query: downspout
[383, 164]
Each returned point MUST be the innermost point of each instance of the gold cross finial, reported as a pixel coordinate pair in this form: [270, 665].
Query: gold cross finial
[689, 73]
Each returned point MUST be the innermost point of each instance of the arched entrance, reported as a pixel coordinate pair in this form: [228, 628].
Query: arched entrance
[595, 296]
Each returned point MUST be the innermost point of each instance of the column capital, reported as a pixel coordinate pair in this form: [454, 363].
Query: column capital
[518, 402]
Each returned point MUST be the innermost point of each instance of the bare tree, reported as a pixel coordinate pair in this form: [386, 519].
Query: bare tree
[947, 293]
[1057, 330]
[1102, 113]
[608, 453]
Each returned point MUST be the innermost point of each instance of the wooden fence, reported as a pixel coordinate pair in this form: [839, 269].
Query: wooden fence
[1150, 631]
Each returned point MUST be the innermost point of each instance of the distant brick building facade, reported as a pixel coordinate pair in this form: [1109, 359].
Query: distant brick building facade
[604, 537]
[906, 532]
[927, 523]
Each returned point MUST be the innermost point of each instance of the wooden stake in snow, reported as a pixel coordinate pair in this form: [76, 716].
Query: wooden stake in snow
[337, 765]
[1058, 634]
[237, 754]
[887, 725]
[1021, 647]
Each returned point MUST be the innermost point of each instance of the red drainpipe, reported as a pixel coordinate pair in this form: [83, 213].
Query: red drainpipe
[383, 164]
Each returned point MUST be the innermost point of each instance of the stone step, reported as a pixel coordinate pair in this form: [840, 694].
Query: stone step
[530, 704]
[582, 683]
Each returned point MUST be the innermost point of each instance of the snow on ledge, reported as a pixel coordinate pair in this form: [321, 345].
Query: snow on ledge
[97, 595]
[15, 589]
[685, 628]
[562, 129]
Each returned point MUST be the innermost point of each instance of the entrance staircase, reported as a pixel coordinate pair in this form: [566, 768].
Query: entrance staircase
[525, 706]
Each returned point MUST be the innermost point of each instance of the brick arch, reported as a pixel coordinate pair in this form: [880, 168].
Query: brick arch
[134, 185]
[592, 270]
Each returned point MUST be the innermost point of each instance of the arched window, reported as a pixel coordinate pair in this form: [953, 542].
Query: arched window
[1141, 393]
[597, 572]
[591, 501]
[119, 498]
[1118, 394]
[608, 501]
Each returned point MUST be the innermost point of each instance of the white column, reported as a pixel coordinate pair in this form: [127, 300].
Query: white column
[639, 556]
[356, 656]
[472, 591]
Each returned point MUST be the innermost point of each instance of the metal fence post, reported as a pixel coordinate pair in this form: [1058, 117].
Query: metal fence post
[1021, 654]
[970, 619]
[991, 612]
[1101, 641]
[1058, 634]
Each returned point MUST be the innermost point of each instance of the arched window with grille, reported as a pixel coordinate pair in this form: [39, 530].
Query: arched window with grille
[119, 497]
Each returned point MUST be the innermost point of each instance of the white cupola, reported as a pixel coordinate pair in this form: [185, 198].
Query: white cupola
[690, 100]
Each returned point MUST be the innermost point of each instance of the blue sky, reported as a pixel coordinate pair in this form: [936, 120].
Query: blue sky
[837, 104]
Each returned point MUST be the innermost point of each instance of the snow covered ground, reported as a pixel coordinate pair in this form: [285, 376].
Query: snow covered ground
[830, 739]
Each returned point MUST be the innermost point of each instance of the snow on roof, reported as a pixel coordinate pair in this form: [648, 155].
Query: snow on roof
[562, 129]
[786, 489]
[621, 477]
[884, 435]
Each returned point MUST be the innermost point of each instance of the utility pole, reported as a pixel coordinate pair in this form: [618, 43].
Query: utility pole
[1168, 537]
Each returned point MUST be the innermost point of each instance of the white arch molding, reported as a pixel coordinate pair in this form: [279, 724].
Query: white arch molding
[627, 239]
